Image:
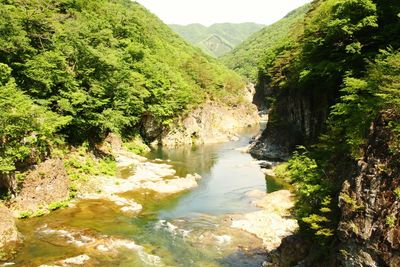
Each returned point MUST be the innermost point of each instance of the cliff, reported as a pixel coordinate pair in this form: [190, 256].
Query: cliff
[297, 118]
[211, 122]
[368, 232]
[369, 229]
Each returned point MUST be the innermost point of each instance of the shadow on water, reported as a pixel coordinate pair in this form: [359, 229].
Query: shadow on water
[244, 258]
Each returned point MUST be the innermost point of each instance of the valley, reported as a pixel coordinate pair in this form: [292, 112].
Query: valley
[128, 142]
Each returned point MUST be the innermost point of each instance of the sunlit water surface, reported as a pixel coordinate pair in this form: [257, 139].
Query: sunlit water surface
[186, 229]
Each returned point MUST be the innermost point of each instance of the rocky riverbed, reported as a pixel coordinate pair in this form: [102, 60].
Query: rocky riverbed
[117, 219]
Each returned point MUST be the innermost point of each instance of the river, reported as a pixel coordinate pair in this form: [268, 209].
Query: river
[187, 229]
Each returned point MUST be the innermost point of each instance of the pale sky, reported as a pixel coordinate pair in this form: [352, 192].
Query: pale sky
[208, 12]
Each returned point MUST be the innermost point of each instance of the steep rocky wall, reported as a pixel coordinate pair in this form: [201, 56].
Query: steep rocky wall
[369, 230]
[212, 122]
[296, 118]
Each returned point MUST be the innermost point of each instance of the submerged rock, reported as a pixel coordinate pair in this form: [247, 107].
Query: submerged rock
[92, 246]
[223, 239]
[78, 260]
[127, 206]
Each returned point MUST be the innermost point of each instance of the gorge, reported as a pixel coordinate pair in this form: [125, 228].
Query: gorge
[123, 145]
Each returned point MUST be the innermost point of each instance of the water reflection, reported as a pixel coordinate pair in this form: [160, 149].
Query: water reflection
[228, 175]
[188, 159]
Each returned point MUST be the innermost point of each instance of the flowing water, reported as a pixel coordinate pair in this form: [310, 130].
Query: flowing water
[187, 229]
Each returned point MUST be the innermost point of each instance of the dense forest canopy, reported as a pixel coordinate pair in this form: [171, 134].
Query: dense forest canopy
[76, 70]
[250, 56]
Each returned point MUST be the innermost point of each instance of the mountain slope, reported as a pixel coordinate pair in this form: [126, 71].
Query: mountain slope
[78, 70]
[250, 55]
[219, 38]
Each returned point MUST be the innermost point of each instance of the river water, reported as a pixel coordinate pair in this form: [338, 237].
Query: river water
[187, 229]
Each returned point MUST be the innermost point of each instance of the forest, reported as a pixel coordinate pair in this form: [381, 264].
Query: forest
[248, 57]
[74, 71]
[330, 78]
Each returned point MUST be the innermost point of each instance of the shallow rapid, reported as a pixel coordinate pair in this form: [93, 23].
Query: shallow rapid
[186, 229]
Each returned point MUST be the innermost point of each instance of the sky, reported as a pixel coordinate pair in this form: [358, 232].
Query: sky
[207, 12]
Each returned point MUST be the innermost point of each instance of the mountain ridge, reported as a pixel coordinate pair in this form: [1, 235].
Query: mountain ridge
[232, 34]
[248, 56]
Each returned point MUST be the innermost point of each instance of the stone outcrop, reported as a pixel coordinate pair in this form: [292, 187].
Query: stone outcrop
[9, 236]
[297, 117]
[212, 122]
[369, 230]
[368, 233]
[8, 182]
[292, 252]
[48, 182]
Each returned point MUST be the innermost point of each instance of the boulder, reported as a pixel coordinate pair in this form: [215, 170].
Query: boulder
[9, 235]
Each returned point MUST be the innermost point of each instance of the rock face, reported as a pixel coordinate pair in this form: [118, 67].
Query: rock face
[210, 123]
[9, 236]
[8, 182]
[369, 230]
[45, 184]
[297, 118]
[292, 252]
[368, 233]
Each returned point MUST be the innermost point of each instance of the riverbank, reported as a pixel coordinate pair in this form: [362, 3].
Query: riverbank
[150, 211]
[49, 189]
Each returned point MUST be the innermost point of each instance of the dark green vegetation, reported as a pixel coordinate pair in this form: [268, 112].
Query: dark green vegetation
[73, 71]
[343, 71]
[251, 55]
[217, 39]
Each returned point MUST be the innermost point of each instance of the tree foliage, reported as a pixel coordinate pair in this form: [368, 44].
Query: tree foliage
[346, 58]
[26, 129]
[81, 69]
[251, 56]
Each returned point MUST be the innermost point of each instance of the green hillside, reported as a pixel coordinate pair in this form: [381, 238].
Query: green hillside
[75, 70]
[219, 38]
[250, 55]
